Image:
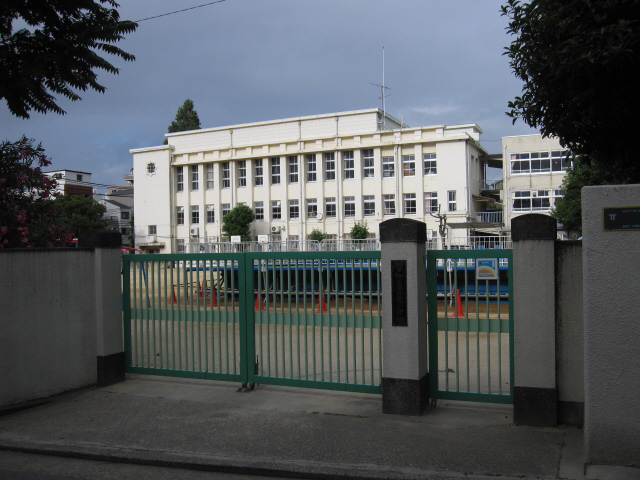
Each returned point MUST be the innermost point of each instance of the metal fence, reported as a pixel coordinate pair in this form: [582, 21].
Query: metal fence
[299, 319]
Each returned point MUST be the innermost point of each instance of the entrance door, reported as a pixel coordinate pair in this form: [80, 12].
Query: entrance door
[470, 325]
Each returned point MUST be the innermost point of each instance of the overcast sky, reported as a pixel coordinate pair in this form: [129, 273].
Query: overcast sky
[246, 61]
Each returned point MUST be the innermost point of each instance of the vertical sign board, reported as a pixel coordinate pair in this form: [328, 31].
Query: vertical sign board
[399, 293]
[620, 218]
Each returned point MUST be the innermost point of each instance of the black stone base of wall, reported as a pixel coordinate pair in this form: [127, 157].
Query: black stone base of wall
[405, 397]
[571, 413]
[111, 369]
[535, 406]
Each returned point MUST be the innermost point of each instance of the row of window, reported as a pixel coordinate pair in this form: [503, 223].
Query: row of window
[535, 200]
[329, 172]
[330, 207]
[539, 162]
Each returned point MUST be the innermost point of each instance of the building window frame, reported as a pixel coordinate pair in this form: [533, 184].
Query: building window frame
[312, 208]
[430, 164]
[276, 209]
[226, 208]
[275, 170]
[409, 165]
[294, 209]
[179, 179]
[195, 214]
[179, 215]
[226, 174]
[410, 204]
[258, 209]
[330, 207]
[452, 201]
[210, 174]
[431, 202]
[369, 205]
[311, 167]
[329, 166]
[242, 173]
[258, 172]
[349, 206]
[152, 230]
[389, 202]
[348, 164]
[388, 167]
[368, 162]
[195, 177]
[292, 161]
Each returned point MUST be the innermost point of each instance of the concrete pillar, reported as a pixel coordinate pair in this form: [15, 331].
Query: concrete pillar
[611, 277]
[535, 395]
[108, 304]
[405, 381]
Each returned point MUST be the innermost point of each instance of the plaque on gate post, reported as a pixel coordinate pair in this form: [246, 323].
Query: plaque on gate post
[399, 293]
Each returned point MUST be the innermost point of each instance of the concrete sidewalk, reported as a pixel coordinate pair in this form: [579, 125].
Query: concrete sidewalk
[277, 431]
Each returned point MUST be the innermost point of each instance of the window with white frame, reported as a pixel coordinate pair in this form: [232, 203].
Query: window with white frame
[388, 168]
[369, 205]
[294, 209]
[195, 181]
[539, 162]
[258, 209]
[180, 215]
[330, 207]
[242, 173]
[276, 210]
[329, 166]
[389, 204]
[124, 215]
[179, 179]
[293, 168]
[312, 207]
[258, 172]
[349, 206]
[275, 171]
[431, 202]
[210, 176]
[410, 203]
[430, 163]
[195, 214]
[211, 214]
[226, 175]
[368, 163]
[452, 204]
[152, 230]
[311, 167]
[409, 165]
[181, 246]
[535, 200]
[348, 164]
[226, 208]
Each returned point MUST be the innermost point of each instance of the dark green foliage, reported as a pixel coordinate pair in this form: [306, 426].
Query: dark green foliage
[238, 221]
[317, 235]
[186, 119]
[359, 231]
[27, 215]
[58, 52]
[76, 213]
[578, 60]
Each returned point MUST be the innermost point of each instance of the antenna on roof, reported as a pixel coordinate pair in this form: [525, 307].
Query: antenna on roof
[383, 95]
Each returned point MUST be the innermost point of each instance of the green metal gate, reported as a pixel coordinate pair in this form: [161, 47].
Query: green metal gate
[287, 318]
[470, 325]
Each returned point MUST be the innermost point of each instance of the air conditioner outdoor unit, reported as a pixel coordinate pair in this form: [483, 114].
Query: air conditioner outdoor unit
[194, 231]
[275, 229]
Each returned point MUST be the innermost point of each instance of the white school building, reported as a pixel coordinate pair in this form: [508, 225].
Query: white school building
[321, 172]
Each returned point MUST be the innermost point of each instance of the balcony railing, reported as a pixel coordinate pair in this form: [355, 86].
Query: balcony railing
[491, 185]
[490, 217]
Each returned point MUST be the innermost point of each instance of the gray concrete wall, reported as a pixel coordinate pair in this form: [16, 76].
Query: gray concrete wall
[569, 333]
[611, 278]
[48, 341]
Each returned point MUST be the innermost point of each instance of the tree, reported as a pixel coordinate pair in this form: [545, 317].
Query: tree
[576, 59]
[237, 222]
[317, 235]
[186, 119]
[27, 214]
[58, 52]
[359, 231]
[76, 213]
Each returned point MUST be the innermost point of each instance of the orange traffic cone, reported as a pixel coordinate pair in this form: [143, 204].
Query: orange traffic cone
[202, 289]
[258, 302]
[174, 299]
[460, 312]
[324, 305]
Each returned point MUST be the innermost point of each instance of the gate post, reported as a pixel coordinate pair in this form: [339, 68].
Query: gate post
[405, 381]
[535, 393]
[108, 304]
